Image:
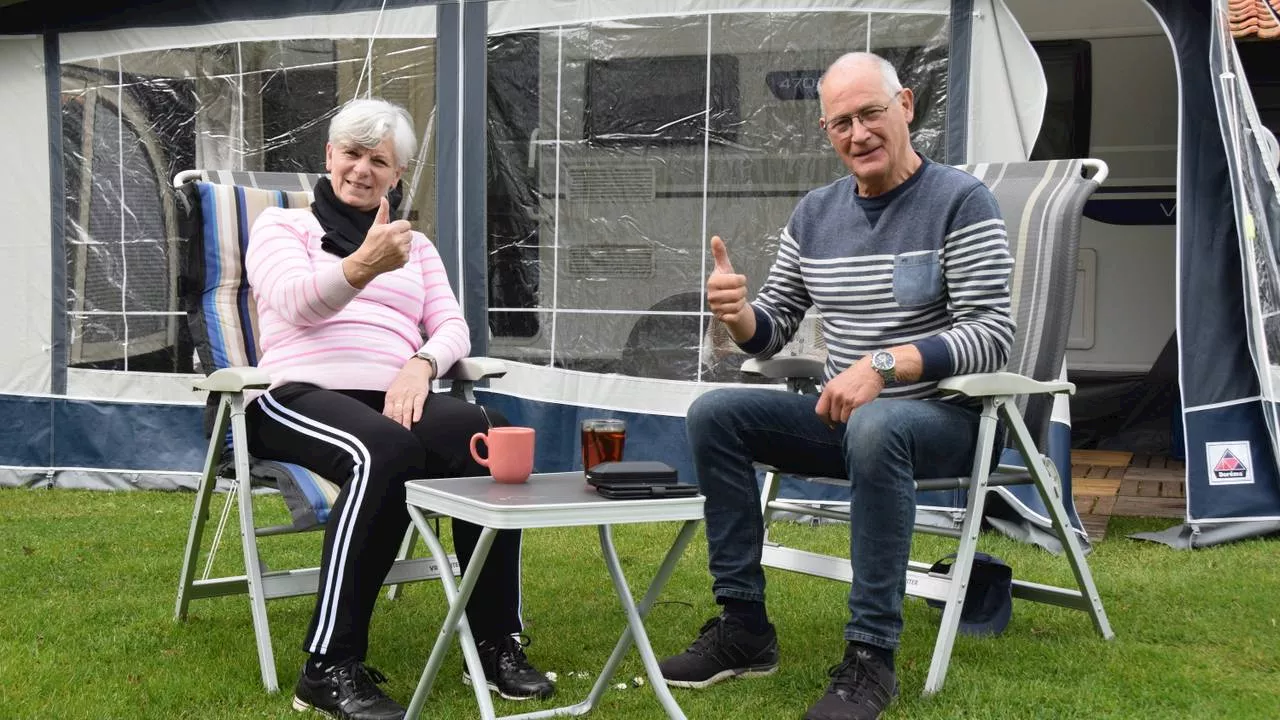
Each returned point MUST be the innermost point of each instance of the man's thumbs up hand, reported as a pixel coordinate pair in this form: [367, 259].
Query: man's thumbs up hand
[386, 247]
[727, 293]
[721, 255]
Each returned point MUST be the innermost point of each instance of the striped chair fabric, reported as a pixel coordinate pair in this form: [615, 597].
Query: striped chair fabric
[222, 314]
[1042, 203]
[291, 182]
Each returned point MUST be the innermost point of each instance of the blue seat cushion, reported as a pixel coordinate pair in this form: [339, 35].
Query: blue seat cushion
[308, 496]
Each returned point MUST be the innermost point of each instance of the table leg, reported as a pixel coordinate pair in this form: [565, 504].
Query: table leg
[455, 620]
[635, 616]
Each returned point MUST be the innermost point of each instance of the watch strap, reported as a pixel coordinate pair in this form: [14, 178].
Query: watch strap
[431, 360]
[890, 373]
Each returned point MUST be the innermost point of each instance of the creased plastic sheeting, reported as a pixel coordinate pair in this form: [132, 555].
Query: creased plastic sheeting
[508, 15]
[131, 122]
[414, 22]
[1255, 184]
[24, 206]
[618, 148]
[1252, 161]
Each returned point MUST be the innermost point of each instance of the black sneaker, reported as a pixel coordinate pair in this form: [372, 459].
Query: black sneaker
[724, 649]
[862, 686]
[508, 672]
[348, 691]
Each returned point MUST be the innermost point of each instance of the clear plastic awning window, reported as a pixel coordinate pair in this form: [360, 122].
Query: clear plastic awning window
[620, 137]
[617, 148]
[131, 122]
[1252, 158]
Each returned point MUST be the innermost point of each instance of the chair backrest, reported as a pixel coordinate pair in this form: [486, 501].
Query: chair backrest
[221, 312]
[1042, 203]
[290, 182]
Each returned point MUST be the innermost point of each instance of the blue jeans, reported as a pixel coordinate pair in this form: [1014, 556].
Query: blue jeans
[885, 444]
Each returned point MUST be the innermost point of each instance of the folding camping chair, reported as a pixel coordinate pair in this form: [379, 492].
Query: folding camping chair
[222, 317]
[1042, 203]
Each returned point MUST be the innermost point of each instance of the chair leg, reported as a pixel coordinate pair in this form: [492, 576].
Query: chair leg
[1050, 488]
[204, 493]
[963, 564]
[252, 569]
[769, 493]
[406, 551]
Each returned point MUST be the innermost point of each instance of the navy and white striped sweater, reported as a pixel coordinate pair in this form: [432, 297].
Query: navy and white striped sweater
[927, 264]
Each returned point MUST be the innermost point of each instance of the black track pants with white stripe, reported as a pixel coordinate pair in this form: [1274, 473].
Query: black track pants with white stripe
[343, 436]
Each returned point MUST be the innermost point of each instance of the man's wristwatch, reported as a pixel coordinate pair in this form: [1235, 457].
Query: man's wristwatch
[882, 362]
[435, 369]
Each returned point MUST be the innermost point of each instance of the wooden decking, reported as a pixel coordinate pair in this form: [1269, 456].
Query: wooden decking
[1106, 483]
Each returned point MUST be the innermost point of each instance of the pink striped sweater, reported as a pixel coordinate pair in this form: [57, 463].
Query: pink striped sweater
[314, 327]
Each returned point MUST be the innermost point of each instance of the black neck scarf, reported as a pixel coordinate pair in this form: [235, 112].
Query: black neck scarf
[345, 226]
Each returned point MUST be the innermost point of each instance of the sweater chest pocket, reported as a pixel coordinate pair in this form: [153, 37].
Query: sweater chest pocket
[917, 279]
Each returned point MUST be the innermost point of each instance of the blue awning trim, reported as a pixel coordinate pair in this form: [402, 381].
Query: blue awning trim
[26, 435]
[1231, 467]
[1133, 211]
[49, 432]
[559, 448]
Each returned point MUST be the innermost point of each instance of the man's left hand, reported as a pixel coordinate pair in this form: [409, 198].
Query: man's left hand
[408, 392]
[858, 385]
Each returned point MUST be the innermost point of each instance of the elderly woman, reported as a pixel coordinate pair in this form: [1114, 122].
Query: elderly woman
[344, 295]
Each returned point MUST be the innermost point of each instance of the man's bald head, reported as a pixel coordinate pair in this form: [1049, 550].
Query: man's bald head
[853, 62]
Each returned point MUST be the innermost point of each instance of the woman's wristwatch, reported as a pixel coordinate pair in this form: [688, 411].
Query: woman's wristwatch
[423, 355]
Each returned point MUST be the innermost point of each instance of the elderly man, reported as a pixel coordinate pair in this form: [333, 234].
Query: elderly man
[908, 264]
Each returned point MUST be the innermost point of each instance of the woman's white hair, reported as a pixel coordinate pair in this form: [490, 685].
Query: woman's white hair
[369, 121]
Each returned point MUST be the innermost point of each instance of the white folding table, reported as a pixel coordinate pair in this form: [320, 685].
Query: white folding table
[545, 500]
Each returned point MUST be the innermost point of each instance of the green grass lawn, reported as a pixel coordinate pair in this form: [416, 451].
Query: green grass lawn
[87, 588]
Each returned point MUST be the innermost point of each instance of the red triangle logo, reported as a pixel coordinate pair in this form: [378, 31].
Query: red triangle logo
[1229, 463]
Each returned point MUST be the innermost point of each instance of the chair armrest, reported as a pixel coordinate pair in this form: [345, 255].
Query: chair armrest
[1002, 383]
[471, 369]
[234, 379]
[778, 368]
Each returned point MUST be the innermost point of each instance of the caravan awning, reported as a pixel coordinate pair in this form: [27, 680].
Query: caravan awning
[1253, 19]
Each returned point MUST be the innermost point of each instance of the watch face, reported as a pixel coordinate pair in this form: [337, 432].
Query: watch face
[882, 360]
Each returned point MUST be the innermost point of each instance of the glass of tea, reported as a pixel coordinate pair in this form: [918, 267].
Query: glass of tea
[602, 441]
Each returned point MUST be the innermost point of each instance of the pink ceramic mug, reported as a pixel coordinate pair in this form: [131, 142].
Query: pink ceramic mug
[510, 453]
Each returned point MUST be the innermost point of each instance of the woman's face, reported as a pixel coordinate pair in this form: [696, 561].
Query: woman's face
[361, 176]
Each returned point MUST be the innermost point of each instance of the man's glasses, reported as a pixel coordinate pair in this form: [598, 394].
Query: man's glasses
[872, 118]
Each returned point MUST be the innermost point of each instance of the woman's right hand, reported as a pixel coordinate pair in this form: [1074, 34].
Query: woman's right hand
[385, 248]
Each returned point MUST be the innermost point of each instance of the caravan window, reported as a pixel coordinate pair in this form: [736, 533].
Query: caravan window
[661, 100]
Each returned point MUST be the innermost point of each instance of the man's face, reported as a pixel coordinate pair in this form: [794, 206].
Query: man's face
[867, 126]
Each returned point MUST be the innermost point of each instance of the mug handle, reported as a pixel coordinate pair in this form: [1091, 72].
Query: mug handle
[474, 439]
